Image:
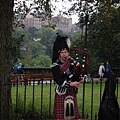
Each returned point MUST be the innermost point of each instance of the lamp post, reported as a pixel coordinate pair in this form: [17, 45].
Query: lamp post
[85, 49]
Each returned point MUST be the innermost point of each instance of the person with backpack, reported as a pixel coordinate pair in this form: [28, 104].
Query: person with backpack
[107, 67]
[15, 68]
[20, 69]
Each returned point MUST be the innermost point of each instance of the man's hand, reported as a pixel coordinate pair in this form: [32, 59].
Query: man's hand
[82, 79]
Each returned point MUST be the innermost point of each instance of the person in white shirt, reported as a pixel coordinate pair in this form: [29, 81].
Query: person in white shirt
[101, 71]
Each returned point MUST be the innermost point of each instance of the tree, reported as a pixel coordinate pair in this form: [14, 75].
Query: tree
[26, 58]
[36, 47]
[6, 19]
[6, 13]
[47, 36]
[102, 28]
[41, 61]
[102, 32]
[17, 38]
[32, 31]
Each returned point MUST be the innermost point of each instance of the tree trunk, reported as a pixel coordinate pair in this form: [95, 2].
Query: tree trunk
[6, 15]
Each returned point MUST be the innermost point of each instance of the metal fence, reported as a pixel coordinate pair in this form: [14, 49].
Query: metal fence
[33, 95]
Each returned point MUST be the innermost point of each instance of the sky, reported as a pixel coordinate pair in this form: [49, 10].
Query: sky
[60, 6]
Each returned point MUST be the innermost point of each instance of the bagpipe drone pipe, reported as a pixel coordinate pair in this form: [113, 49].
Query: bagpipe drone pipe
[82, 57]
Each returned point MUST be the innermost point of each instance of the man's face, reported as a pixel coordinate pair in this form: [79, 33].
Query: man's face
[64, 54]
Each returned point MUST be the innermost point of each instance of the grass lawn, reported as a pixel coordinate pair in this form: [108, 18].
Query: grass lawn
[43, 97]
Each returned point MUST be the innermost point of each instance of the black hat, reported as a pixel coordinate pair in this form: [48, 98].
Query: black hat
[61, 43]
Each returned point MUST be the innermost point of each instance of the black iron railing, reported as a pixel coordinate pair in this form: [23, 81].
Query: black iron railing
[40, 84]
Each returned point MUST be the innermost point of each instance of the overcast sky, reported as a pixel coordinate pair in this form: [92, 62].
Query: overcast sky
[61, 6]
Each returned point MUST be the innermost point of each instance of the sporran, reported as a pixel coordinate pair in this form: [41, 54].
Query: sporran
[69, 109]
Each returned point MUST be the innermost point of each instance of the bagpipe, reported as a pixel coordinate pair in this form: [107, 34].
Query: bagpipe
[73, 68]
[85, 59]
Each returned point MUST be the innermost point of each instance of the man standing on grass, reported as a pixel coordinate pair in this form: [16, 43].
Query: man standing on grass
[67, 77]
[101, 71]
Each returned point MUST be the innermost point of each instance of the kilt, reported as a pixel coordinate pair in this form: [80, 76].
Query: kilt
[58, 112]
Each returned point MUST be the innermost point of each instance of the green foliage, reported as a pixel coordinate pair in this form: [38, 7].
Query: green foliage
[36, 48]
[20, 105]
[77, 40]
[17, 38]
[47, 36]
[101, 35]
[41, 61]
[103, 30]
[32, 31]
[26, 58]
[38, 8]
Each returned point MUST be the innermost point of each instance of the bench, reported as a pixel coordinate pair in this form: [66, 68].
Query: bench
[28, 78]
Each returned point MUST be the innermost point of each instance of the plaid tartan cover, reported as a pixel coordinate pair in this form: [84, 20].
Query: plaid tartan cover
[65, 66]
[58, 112]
